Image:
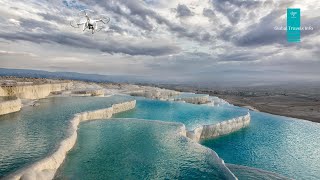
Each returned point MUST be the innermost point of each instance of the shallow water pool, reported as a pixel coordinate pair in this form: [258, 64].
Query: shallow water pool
[34, 132]
[189, 114]
[282, 145]
[139, 149]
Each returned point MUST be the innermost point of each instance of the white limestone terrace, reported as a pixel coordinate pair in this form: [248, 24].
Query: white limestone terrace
[193, 98]
[148, 92]
[216, 101]
[26, 93]
[43, 88]
[162, 94]
[46, 168]
[89, 92]
[159, 93]
[10, 106]
[79, 88]
[223, 128]
[32, 91]
[201, 133]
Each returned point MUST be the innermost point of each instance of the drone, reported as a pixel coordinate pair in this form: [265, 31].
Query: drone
[88, 23]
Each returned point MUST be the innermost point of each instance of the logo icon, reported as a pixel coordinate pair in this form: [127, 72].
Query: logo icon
[293, 14]
[293, 25]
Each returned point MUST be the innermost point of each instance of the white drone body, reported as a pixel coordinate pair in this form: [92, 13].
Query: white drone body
[91, 24]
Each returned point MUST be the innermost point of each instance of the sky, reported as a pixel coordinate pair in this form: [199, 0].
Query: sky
[203, 41]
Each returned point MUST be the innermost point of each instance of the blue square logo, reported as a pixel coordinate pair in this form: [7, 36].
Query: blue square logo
[293, 25]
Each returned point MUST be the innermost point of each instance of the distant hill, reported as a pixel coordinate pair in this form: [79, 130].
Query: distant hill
[69, 75]
[207, 82]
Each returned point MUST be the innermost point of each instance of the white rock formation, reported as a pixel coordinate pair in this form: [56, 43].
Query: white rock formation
[195, 100]
[215, 101]
[10, 106]
[90, 92]
[147, 91]
[33, 91]
[85, 85]
[45, 169]
[222, 128]
[155, 93]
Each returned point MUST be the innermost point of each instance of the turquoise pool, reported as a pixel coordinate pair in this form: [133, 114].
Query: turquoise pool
[34, 132]
[189, 114]
[282, 145]
[144, 149]
[139, 149]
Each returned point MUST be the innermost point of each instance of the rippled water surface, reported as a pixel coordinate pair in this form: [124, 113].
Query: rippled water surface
[283, 145]
[138, 149]
[249, 173]
[32, 133]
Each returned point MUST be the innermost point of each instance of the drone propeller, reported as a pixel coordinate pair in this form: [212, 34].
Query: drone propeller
[105, 20]
[74, 23]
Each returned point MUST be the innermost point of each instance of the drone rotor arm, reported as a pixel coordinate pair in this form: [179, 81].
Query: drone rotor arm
[84, 27]
[99, 29]
[104, 20]
[72, 25]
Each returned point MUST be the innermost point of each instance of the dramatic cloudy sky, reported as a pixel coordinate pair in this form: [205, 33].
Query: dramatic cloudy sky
[174, 40]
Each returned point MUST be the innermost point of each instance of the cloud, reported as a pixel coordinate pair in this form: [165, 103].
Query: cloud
[14, 53]
[263, 33]
[53, 18]
[14, 22]
[199, 39]
[183, 11]
[234, 10]
[139, 15]
[111, 46]
[30, 24]
[208, 13]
